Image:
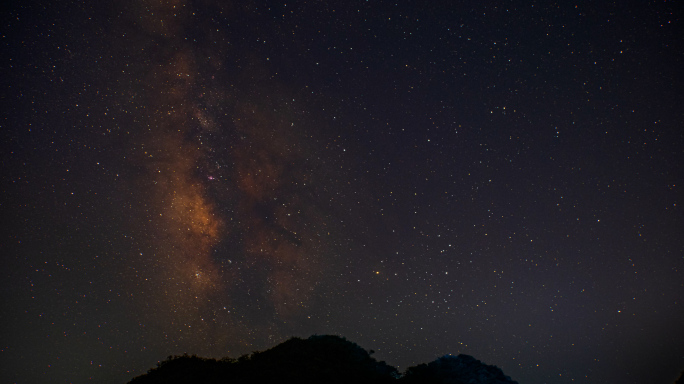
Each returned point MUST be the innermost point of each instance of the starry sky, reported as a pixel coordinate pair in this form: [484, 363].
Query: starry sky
[500, 179]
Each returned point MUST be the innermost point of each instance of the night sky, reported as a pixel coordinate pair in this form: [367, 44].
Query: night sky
[499, 178]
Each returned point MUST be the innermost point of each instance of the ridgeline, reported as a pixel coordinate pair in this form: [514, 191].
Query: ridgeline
[318, 359]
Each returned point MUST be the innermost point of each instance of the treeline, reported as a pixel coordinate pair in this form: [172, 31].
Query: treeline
[318, 359]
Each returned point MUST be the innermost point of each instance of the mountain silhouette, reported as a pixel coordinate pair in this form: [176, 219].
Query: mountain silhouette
[456, 370]
[318, 359]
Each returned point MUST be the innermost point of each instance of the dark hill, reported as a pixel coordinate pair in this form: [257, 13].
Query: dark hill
[456, 370]
[318, 359]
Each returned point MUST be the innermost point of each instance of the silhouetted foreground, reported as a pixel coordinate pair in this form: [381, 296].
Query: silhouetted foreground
[318, 359]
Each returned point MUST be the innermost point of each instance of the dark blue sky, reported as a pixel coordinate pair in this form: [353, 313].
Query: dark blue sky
[501, 180]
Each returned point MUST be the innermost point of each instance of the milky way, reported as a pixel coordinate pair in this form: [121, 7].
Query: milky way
[204, 145]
